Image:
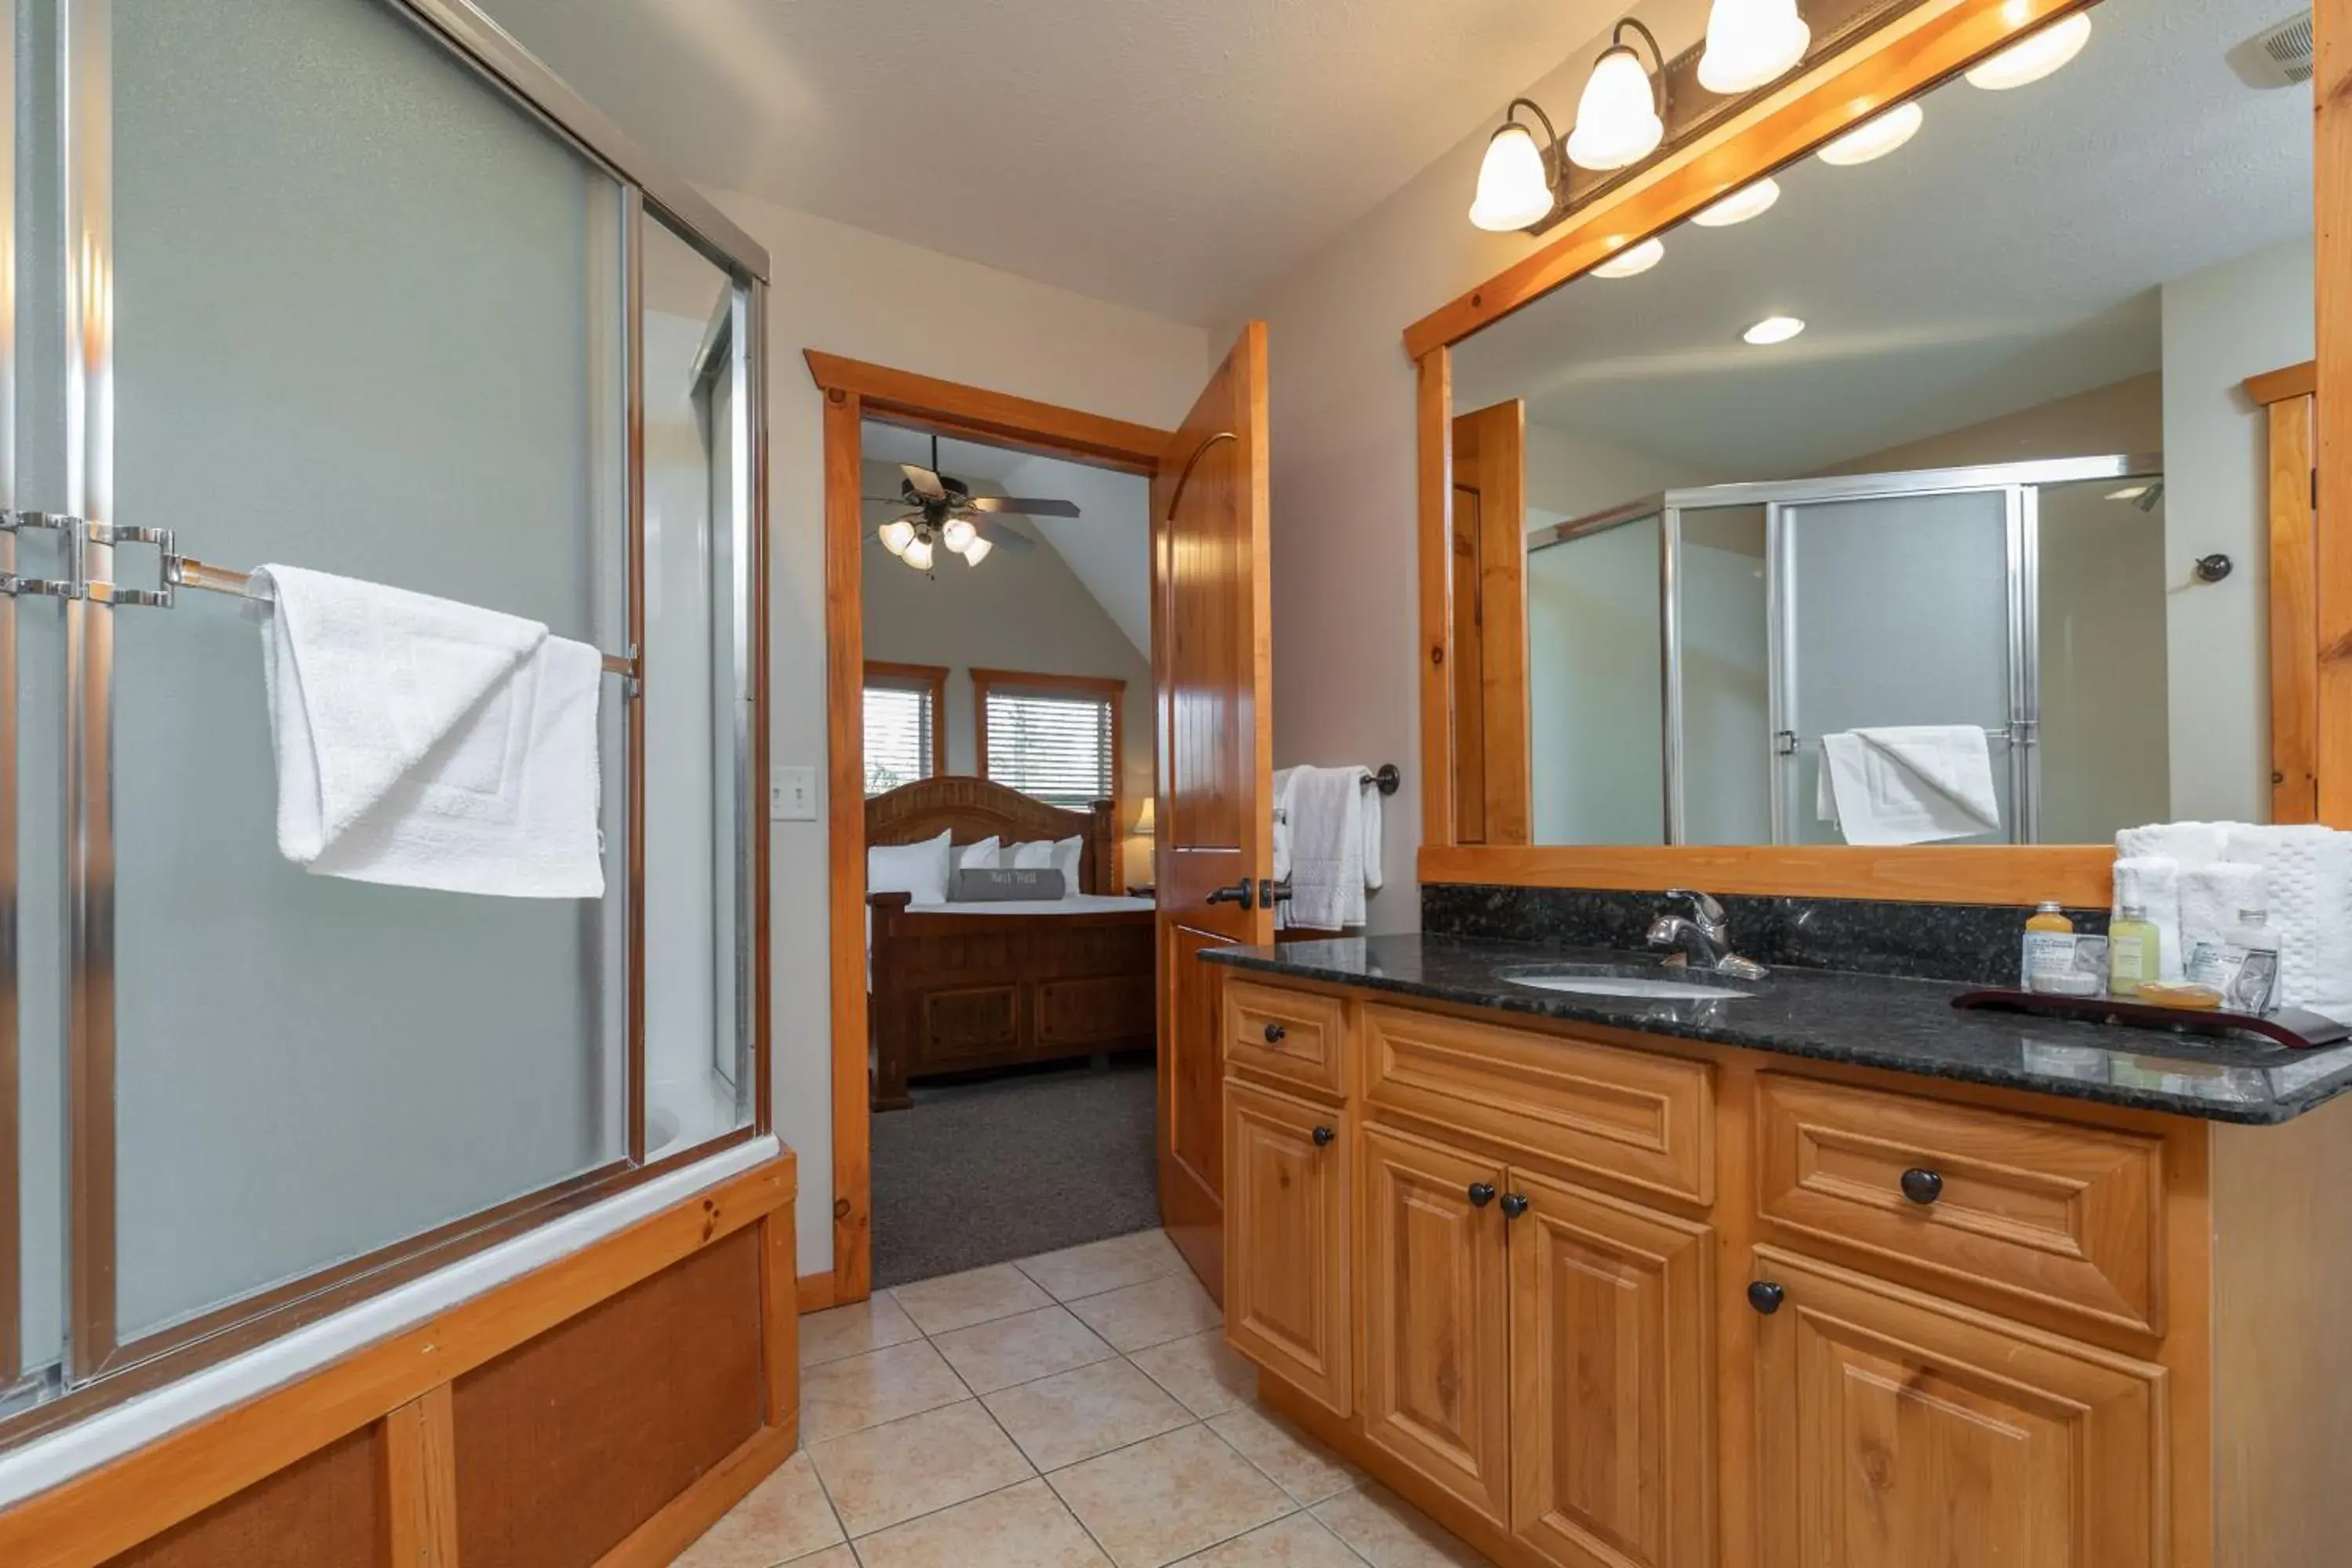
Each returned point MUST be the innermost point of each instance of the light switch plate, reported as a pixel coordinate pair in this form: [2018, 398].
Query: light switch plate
[791, 795]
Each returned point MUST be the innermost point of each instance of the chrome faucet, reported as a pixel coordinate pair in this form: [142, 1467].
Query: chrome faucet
[1704, 937]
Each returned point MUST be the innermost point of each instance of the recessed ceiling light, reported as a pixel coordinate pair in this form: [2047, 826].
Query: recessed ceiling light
[2035, 56]
[1633, 259]
[1773, 329]
[1740, 205]
[1877, 137]
[2129, 492]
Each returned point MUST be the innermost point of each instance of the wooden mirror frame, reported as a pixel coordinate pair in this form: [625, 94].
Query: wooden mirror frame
[1905, 57]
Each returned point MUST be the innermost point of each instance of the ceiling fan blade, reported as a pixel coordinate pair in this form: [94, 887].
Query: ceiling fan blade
[927, 483]
[1003, 538]
[1021, 507]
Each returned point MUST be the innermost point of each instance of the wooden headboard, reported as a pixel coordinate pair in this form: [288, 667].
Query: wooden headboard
[972, 808]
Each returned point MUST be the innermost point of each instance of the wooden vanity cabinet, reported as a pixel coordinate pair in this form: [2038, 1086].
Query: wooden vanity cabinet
[1597, 1300]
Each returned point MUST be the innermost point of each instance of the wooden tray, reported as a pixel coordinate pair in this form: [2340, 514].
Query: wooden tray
[2290, 1026]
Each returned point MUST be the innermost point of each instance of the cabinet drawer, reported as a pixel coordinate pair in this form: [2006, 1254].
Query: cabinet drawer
[1624, 1115]
[2058, 1213]
[1294, 1036]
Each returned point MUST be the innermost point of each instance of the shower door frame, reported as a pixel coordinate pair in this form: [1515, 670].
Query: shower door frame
[99, 1367]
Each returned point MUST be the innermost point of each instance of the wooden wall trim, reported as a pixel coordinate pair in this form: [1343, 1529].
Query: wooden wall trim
[2288, 380]
[2332, 100]
[2082, 876]
[91, 1518]
[420, 1473]
[656, 1543]
[977, 414]
[2294, 611]
[1433, 376]
[815, 1291]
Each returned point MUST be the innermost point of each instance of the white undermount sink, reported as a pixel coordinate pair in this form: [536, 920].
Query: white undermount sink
[1589, 982]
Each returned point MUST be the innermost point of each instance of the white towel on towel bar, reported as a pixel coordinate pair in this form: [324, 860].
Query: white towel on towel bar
[1911, 784]
[425, 743]
[1334, 847]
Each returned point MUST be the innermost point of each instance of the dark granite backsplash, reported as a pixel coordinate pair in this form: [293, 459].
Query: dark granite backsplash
[1962, 943]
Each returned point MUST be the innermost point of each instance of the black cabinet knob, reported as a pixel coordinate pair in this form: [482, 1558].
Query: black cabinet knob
[1322, 1135]
[1766, 1297]
[1273, 1034]
[1481, 1194]
[1514, 1206]
[1922, 1185]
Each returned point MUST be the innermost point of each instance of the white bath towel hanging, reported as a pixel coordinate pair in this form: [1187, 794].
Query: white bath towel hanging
[425, 743]
[1334, 847]
[1911, 784]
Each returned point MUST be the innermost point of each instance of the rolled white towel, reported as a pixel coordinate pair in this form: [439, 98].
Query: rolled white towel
[2186, 844]
[2211, 897]
[2307, 878]
[2151, 884]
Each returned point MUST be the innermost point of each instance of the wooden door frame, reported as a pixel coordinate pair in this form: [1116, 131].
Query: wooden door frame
[855, 391]
[2290, 483]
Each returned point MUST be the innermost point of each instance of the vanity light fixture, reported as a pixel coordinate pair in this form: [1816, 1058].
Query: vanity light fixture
[1514, 190]
[1875, 137]
[2129, 492]
[1633, 261]
[1773, 330]
[1750, 43]
[1621, 116]
[896, 534]
[1746, 202]
[2033, 57]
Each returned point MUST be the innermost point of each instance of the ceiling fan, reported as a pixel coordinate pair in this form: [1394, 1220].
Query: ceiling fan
[947, 513]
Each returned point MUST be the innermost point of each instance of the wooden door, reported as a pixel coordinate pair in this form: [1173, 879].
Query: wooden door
[1214, 821]
[1612, 1414]
[1286, 1242]
[1491, 786]
[1899, 1431]
[1432, 1278]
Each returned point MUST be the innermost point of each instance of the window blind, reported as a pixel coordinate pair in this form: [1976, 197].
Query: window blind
[898, 720]
[1058, 748]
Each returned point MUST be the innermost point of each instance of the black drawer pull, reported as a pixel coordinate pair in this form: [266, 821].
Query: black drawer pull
[1322, 1135]
[1766, 1297]
[1922, 1186]
[1481, 1194]
[1273, 1034]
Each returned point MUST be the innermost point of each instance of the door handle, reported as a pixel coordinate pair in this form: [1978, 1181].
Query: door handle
[1243, 893]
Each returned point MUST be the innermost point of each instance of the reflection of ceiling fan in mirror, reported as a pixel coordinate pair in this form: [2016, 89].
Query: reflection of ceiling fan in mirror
[947, 513]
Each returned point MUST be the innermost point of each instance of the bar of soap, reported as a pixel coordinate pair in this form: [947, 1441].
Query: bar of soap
[2182, 993]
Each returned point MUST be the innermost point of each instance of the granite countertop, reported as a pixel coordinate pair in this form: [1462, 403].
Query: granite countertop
[1869, 1020]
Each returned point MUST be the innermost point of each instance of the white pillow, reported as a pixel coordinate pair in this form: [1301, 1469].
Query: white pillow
[918, 869]
[1062, 854]
[980, 857]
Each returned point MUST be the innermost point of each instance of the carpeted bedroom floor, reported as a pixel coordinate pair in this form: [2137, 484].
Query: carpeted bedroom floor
[1012, 1165]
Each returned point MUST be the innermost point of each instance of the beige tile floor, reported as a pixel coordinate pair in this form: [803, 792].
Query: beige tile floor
[1068, 1411]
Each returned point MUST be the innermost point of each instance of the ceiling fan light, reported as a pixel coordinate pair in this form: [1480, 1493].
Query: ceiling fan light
[1617, 123]
[958, 534]
[895, 535]
[1750, 43]
[1513, 190]
[919, 556]
[2033, 57]
[1875, 137]
[977, 551]
[1634, 260]
[1748, 201]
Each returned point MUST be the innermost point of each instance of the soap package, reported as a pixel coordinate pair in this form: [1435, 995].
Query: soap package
[2064, 964]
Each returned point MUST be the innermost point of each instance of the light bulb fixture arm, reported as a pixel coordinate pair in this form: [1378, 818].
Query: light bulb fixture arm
[1656, 70]
[1550, 135]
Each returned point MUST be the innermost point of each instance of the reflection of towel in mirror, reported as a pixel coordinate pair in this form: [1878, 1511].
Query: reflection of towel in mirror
[1911, 784]
[1286, 791]
[1335, 847]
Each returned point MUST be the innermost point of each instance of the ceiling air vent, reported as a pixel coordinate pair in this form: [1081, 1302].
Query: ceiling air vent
[2276, 57]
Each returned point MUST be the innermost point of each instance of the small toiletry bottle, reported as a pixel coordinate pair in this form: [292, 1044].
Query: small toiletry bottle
[2049, 947]
[2132, 950]
[2242, 965]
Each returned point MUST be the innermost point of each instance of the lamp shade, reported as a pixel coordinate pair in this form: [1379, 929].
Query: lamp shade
[1877, 137]
[977, 551]
[1750, 43]
[1740, 205]
[1634, 260]
[1512, 190]
[958, 534]
[2035, 57]
[896, 534]
[919, 556]
[1617, 122]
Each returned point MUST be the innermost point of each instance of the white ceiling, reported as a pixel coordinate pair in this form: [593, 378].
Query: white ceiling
[2011, 254]
[1167, 155]
[1107, 547]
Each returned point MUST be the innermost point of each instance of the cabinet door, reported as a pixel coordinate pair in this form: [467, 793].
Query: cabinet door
[1433, 1273]
[1898, 1431]
[1612, 1422]
[1286, 1240]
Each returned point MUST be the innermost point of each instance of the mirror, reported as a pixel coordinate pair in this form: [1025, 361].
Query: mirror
[1925, 567]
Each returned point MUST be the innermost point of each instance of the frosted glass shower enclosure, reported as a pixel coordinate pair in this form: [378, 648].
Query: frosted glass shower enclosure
[352, 284]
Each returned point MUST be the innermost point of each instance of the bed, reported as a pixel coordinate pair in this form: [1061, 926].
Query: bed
[964, 987]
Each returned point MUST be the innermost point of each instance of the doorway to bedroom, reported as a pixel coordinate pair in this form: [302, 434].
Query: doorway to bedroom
[1007, 730]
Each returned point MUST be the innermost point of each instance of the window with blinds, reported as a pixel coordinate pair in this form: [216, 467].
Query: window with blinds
[899, 721]
[1059, 747]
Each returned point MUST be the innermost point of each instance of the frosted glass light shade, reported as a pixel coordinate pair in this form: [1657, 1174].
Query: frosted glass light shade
[1773, 330]
[1632, 260]
[1875, 137]
[1512, 190]
[2035, 56]
[896, 534]
[958, 534]
[1617, 123]
[919, 556]
[1750, 43]
[977, 551]
[1740, 205]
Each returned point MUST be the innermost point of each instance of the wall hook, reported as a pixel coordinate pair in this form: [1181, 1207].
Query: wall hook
[2214, 568]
